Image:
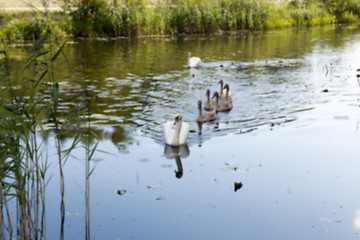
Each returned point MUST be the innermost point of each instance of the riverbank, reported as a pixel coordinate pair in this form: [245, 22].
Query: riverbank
[98, 18]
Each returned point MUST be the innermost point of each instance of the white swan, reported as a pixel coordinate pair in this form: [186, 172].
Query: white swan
[193, 62]
[205, 116]
[179, 135]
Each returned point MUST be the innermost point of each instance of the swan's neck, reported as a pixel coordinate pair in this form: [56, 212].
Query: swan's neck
[200, 111]
[176, 139]
[208, 98]
[221, 88]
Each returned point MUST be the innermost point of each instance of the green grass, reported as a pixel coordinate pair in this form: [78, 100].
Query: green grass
[97, 18]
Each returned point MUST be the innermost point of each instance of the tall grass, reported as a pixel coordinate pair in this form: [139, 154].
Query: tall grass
[133, 17]
[20, 146]
[98, 18]
[30, 91]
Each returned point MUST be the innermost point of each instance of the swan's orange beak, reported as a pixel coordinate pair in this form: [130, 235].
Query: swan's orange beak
[176, 120]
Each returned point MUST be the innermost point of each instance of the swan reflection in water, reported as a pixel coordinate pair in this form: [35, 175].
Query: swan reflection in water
[193, 72]
[177, 152]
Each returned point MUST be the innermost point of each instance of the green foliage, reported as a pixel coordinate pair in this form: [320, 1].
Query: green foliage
[32, 26]
[354, 7]
[98, 18]
[345, 11]
[349, 17]
[310, 13]
[90, 16]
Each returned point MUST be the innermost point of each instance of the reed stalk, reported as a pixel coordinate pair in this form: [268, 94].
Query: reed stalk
[90, 149]
[22, 159]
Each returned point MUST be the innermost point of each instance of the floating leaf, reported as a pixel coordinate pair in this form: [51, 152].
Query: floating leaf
[160, 199]
[154, 185]
[328, 220]
[121, 192]
[237, 186]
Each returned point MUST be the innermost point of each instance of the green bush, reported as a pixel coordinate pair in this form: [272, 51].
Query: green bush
[90, 16]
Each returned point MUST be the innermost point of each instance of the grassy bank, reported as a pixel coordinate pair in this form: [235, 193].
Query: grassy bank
[98, 18]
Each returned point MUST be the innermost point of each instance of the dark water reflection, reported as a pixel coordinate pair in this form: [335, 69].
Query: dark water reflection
[288, 147]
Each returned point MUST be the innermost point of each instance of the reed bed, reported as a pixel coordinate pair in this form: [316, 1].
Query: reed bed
[188, 17]
[29, 117]
[99, 18]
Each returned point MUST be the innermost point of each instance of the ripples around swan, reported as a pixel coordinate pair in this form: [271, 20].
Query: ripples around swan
[266, 94]
[136, 87]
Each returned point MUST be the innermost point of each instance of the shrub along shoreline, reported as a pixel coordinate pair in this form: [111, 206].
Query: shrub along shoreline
[98, 18]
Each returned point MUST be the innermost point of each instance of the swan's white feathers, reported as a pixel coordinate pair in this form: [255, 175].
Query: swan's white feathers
[170, 133]
[193, 62]
[184, 133]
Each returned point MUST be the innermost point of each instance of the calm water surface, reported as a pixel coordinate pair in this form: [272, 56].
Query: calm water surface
[292, 138]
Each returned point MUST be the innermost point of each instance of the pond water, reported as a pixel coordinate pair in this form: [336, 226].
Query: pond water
[282, 164]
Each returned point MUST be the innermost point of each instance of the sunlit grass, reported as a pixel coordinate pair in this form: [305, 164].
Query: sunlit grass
[98, 18]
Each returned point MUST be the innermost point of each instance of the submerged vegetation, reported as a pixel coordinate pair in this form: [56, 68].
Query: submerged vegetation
[99, 18]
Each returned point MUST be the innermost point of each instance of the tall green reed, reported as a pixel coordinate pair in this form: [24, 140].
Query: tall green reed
[88, 136]
[93, 18]
[31, 91]
[21, 148]
[99, 18]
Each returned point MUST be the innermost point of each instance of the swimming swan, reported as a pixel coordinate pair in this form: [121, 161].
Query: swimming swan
[205, 116]
[179, 135]
[228, 96]
[193, 62]
[222, 106]
[211, 103]
[222, 91]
